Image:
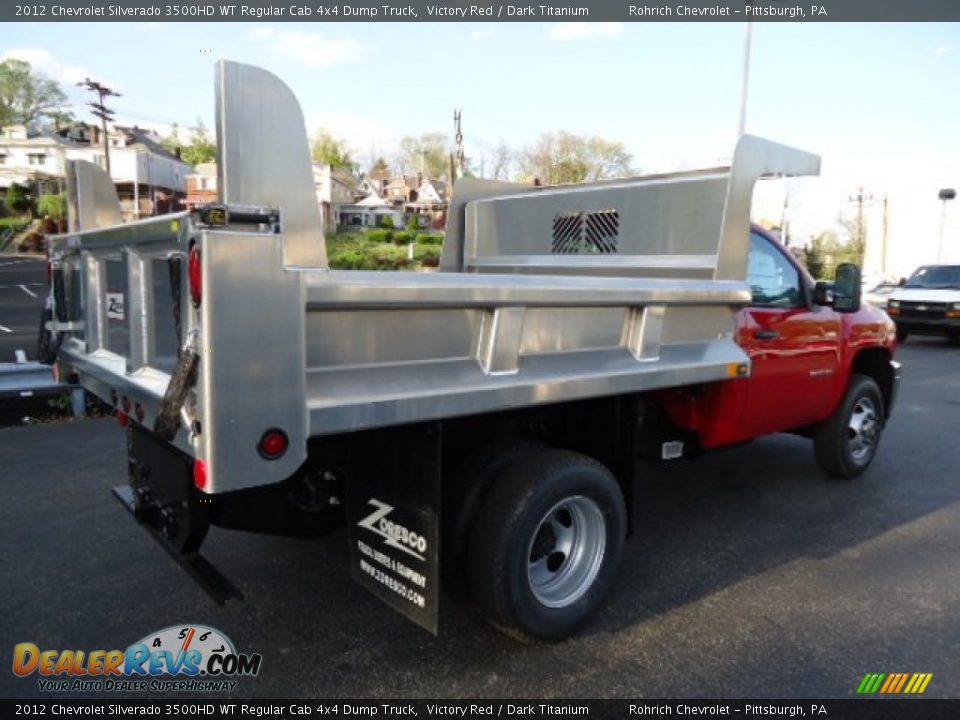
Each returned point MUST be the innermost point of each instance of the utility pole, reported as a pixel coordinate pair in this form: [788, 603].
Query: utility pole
[861, 235]
[458, 135]
[944, 195]
[883, 258]
[745, 83]
[100, 110]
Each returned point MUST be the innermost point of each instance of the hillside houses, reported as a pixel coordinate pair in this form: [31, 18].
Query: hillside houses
[399, 197]
[149, 178]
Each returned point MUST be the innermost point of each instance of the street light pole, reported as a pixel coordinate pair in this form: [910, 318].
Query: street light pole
[745, 82]
[944, 195]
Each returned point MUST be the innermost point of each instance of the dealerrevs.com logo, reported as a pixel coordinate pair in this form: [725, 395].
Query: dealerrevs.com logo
[178, 658]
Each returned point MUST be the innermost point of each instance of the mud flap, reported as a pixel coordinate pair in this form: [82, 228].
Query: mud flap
[393, 515]
[163, 500]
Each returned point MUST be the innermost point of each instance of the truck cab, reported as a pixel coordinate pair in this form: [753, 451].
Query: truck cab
[806, 347]
[928, 303]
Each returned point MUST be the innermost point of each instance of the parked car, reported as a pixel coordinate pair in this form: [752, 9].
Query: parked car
[928, 303]
[879, 294]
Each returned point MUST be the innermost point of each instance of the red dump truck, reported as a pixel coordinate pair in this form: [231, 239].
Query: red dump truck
[480, 423]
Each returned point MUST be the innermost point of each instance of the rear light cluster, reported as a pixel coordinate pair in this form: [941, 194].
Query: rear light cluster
[195, 275]
[200, 475]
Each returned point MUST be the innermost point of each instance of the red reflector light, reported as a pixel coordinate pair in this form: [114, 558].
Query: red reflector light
[200, 474]
[273, 444]
[195, 276]
[122, 418]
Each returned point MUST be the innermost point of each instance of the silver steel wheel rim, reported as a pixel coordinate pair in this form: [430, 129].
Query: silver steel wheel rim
[863, 430]
[566, 551]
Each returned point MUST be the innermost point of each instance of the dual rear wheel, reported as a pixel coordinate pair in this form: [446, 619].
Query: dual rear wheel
[545, 543]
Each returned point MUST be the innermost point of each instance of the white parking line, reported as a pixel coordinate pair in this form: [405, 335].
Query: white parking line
[29, 292]
[5, 329]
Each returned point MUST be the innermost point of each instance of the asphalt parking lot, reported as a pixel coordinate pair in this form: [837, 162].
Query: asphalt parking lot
[23, 288]
[752, 575]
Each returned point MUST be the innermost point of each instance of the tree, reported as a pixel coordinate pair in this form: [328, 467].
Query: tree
[26, 97]
[379, 170]
[333, 152]
[427, 155]
[569, 158]
[819, 254]
[201, 148]
[172, 141]
[17, 200]
[52, 206]
[501, 161]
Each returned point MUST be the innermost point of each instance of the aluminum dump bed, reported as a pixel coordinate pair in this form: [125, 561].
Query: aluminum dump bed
[543, 295]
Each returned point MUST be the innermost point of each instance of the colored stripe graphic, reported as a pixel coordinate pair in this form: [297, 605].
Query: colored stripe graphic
[894, 683]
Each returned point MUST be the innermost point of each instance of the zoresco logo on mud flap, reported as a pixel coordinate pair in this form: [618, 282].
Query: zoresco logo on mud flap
[393, 534]
[394, 555]
[177, 658]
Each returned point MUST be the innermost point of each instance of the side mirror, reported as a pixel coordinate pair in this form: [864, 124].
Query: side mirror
[847, 288]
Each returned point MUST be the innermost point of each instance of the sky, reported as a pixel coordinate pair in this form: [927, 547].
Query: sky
[879, 102]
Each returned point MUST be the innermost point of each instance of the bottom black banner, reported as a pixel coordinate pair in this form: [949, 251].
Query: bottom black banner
[875, 709]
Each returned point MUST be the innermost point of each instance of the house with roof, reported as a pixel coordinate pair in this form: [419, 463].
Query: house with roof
[150, 179]
[201, 186]
[369, 212]
[333, 191]
[402, 189]
[430, 202]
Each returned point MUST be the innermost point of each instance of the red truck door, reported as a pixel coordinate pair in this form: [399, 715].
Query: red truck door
[793, 347]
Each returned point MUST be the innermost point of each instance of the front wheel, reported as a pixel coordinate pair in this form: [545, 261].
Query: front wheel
[546, 544]
[847, 442]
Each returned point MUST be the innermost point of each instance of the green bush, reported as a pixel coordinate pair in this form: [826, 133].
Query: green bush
[429, 239]
[17, 200]
[379, 235]
[348, 260]
[52, 206]
[390, 257]
[413, 223]
[386, 221]
[425, 253]
[402, 237]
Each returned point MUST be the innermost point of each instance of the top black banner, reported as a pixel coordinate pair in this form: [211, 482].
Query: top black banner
[459, 11]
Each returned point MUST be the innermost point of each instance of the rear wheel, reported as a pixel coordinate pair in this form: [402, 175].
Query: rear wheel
[546, 544]
[47, 342]
[846, 444]
[461, 499]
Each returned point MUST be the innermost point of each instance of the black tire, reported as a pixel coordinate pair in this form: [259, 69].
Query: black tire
[902, 336]
[842, 451]
[515, 524]
[47, 342]
[461, 498]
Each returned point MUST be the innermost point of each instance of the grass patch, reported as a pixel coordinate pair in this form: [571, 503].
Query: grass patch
[375, 250]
